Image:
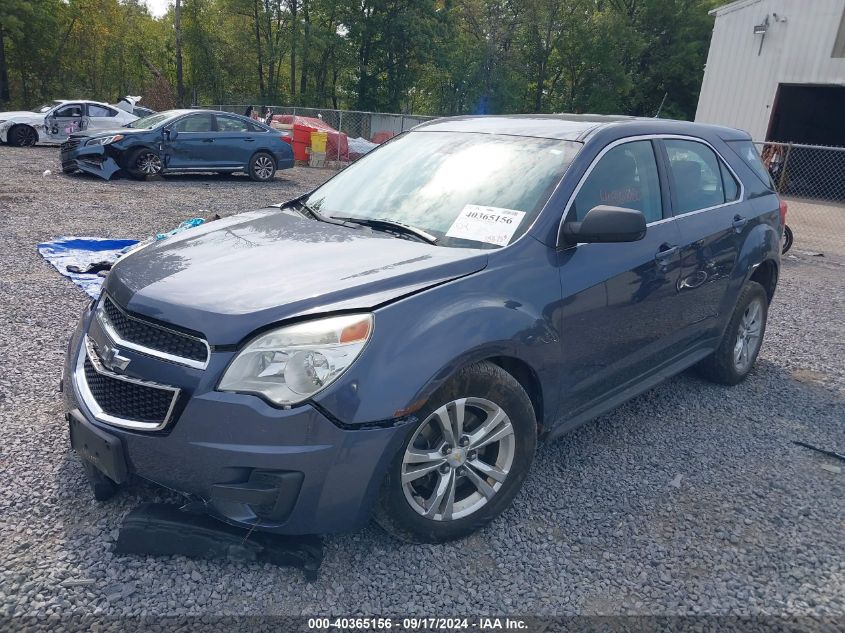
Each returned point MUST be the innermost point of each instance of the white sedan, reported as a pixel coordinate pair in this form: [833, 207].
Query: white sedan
[52, 124]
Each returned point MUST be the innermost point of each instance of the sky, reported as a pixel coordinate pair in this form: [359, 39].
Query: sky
[158, 7]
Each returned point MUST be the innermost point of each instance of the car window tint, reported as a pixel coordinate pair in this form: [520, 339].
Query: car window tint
[696, 175]
[69, 110]
[194, 123]
[729, 183]
[229, 124]
[626, 176]
[748, 153]
[100, 111]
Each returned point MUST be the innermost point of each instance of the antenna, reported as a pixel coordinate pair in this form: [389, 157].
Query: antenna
[665, 94]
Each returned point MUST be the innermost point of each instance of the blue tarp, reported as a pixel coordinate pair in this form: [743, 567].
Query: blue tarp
[82, 251]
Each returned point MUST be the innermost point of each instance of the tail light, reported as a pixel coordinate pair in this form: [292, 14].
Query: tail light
[783, 210]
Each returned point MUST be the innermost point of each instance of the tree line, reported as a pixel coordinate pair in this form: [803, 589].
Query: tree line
[440, 57]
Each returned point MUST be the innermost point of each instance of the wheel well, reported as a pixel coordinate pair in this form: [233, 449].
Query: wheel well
[526, 377]
[17, 125]
[767, 276]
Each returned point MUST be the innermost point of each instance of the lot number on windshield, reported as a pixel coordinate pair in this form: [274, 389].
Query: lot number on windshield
[486, 224]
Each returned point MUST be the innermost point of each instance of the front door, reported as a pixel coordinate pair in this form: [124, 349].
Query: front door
[65, 120]
[192, 147]
[620, 317]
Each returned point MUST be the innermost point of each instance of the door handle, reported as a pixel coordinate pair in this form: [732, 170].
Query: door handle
[249, 140]
[208, 140]
[665, 252]
[739, 222]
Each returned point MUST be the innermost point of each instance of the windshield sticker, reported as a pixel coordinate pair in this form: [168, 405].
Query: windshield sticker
[486, 224]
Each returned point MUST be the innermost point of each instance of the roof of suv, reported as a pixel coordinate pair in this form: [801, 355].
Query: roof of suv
[568, 127]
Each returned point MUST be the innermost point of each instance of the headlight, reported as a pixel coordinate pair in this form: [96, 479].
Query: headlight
[291, 364]
[105, 140]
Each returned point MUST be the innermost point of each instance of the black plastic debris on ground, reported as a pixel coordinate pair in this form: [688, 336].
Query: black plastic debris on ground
[161, 529]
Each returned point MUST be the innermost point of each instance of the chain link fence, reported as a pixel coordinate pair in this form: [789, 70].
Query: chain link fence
[811, 178]
[349, 133]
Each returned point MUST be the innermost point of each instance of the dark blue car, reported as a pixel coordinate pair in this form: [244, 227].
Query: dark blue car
[395, 343]
[180, 141]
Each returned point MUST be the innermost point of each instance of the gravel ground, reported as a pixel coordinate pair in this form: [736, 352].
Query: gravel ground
[690, 499]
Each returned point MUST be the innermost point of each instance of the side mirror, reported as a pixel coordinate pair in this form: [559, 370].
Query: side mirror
[170, 134]
[604, 224]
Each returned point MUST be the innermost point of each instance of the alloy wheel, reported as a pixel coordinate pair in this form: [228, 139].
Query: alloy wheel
[148, 164]
[458, 459]
[27, 137]
[748, 336]
[263, 167]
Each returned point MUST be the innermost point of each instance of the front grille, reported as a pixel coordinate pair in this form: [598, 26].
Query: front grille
[70, 144]
[128, 400]
[153, 337]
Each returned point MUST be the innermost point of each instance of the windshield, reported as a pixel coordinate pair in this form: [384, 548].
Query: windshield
[467, 189]
[45, 108]
[149, 122]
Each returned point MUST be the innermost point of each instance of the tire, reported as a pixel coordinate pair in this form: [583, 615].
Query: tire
[143, 162]
[724, 366]
[787, 239]
[485, 393]
[22, 136]
[262, 167]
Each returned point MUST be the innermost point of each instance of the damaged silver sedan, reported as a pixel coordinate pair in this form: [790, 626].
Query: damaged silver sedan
[53, 123]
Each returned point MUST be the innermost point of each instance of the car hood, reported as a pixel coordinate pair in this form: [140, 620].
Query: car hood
[230, 277]
[118, 130]
[21, 116]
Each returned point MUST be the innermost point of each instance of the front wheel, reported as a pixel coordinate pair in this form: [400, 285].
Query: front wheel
[22, 136]
[733, 360]
[143, 162]
[262, 167]
[464, 463]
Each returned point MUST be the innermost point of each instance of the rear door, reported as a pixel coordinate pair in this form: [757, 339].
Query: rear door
[237, 138]
[102, 117]
[707, 204]
[620, 317]
[193, 146]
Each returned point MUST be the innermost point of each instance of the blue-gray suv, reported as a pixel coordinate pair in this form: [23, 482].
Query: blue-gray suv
[395, 343]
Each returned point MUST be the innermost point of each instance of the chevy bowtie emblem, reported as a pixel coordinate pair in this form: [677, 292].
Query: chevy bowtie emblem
[111, 358]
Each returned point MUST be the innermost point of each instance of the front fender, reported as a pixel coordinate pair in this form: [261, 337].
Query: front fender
[421, 341]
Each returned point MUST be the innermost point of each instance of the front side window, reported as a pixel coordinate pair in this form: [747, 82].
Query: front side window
[451, 185]
[626, 176]
[74, 110]
[696, 174]
[100, 111]
[195, 123]
[229, 124]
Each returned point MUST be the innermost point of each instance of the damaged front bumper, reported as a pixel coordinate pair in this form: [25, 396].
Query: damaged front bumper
[94, 159]
[286, 471]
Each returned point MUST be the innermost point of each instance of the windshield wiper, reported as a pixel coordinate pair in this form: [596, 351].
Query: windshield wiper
[392, 225]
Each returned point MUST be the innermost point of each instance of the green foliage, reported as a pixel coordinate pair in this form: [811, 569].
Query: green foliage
[426, 56]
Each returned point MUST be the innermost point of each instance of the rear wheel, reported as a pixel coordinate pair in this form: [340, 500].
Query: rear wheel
[734, 358]
[22, 136]
[464, 463]
[262, 167]
[143, 162]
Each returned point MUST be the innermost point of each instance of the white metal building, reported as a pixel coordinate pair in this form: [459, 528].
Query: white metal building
[776, 68]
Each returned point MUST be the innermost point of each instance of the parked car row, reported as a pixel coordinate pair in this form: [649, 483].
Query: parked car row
[104, 140]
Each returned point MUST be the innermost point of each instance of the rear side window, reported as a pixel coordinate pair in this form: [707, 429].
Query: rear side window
[100, 111]
[229, 124]
[626, 176]
[748, 153]
[697, 176]
[730, 184]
